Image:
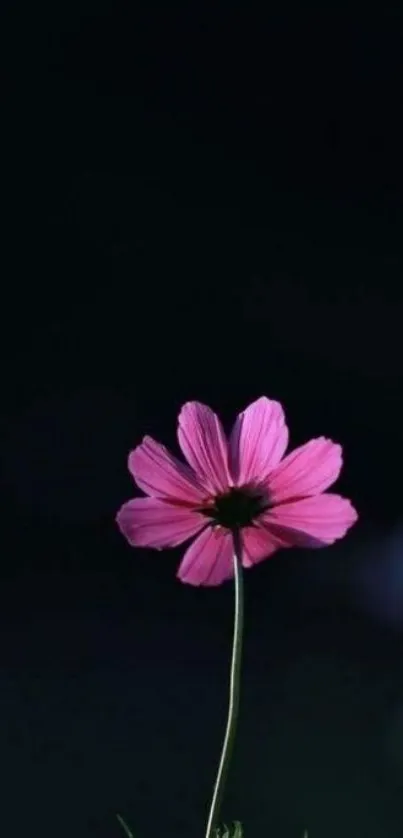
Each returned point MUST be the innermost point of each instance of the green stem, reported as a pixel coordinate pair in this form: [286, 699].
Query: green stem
[124, 826]
[233, 692]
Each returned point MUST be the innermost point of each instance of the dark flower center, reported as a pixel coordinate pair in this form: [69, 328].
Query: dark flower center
[236, 508]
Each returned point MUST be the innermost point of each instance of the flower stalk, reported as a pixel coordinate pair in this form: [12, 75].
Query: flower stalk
[234, 691]
[124, 826]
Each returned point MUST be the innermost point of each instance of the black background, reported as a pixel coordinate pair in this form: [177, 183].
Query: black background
[200, 201]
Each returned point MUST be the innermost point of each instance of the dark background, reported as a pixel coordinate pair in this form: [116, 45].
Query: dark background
[200, 201]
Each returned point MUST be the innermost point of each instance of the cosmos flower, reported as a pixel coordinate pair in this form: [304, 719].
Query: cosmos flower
[243, 482]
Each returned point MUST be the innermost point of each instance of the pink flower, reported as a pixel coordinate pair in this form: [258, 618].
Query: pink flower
[243, 482]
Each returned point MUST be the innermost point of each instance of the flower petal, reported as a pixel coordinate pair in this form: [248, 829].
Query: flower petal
[150, 522]
[311, 522]
[306, 471]
[258, 441]
[160, 474]
[209, 560]
[259, 543]
[203, 442]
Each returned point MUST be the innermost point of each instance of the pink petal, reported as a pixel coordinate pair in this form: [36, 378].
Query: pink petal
[259, 543]
[258, 441]
[209, 560]
[311, 522]
[203, 442]
[160, 474]
[308, 470]
[150, 522]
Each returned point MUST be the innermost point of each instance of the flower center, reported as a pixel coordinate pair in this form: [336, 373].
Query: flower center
[236, 508]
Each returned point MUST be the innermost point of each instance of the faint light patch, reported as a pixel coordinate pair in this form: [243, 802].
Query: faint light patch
[377, 580]
[65, 457]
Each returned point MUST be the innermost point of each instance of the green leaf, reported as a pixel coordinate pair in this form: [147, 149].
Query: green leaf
[237, 833]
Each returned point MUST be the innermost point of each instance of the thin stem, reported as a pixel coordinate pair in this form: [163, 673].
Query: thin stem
[124, 826]
[233, 691]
